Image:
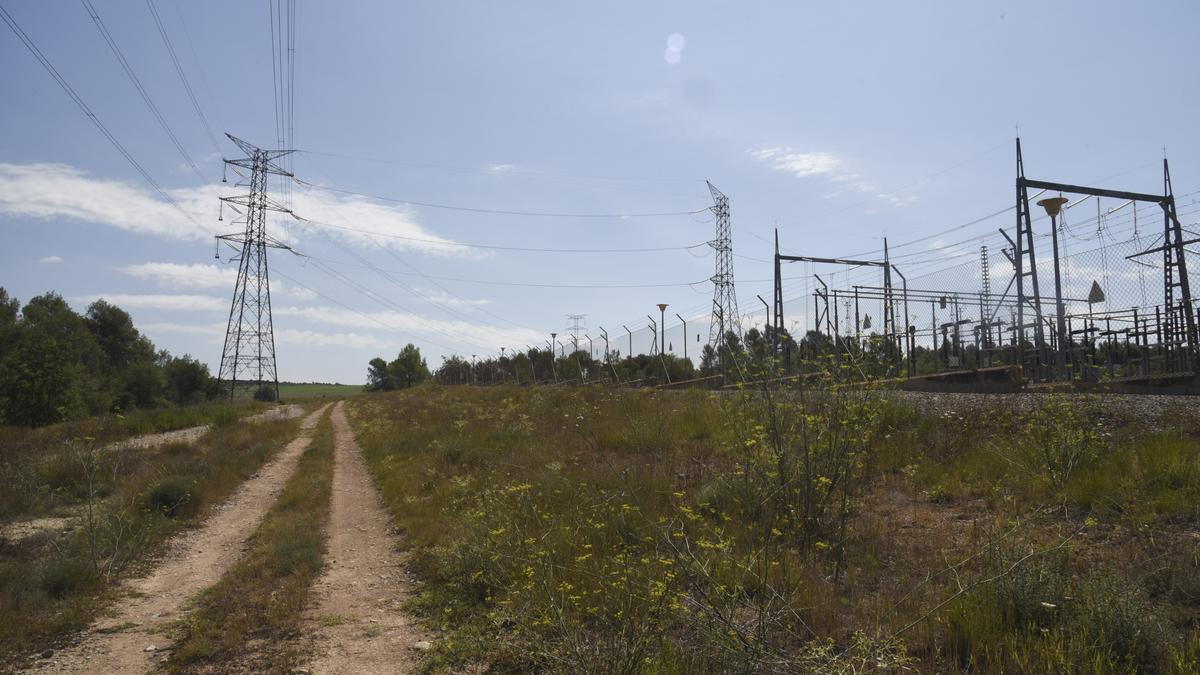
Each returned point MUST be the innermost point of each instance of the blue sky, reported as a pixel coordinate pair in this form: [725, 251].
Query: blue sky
[840, 122]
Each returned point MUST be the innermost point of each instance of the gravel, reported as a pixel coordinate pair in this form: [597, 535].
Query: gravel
[1156, 412]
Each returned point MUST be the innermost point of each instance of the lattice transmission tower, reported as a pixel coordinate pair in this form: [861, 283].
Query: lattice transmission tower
[248, 356]
[725, 316]
[577, 328]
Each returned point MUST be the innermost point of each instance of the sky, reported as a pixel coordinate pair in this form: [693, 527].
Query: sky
[593, 128]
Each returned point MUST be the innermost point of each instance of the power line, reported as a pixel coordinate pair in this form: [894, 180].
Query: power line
[496, 247]
[386, 274]
[498, 171]
[187, 85]
[137, 84]
[66, 87]
[426, 277]
[521, 284]
[359, 312]
[498, 211]
[355, 285]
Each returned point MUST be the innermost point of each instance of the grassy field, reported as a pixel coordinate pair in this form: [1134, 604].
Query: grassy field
[592, 530]
[116, 506]
[294, 391]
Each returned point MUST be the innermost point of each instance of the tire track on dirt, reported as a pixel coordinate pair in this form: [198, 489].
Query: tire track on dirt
[358, 625]
[119, 642]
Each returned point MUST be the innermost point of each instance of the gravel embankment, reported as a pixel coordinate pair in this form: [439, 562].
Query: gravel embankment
[1159, 412]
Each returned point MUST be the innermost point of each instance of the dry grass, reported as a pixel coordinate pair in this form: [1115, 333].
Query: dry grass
[635, 531]
[125, 503]
[39, 468]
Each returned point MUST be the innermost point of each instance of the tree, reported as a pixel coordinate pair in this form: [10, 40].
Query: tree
[120, 342]
[409, 368]
[42, 374]
[708, 360]
[9, 309]
[144, 385]
[188, 380]
[378, 377]
[406, 370]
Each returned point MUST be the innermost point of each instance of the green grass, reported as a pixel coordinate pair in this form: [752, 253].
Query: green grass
[638, 531]
[247, 616]
[53, 584]
[293, 391]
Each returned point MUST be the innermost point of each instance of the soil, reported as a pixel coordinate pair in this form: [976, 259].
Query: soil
[132, 634]
[357, 624]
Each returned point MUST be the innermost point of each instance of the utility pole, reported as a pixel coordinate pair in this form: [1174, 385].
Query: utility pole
[685, 335]
[662, 315]
[1053, 206]
[249, 349]
[778, 333]
[653, 334]
[630, 354]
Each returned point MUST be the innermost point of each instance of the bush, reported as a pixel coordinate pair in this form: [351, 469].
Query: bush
[1117, 619]
[265, 392]
[171, 496]
[62, 576]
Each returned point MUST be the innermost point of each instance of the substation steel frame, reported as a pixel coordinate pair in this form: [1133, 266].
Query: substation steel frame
[1179, 315]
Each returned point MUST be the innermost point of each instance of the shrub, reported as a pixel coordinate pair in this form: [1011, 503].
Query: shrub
[60, 577]
[171, 496]
[1057, 441]
[1117, 618]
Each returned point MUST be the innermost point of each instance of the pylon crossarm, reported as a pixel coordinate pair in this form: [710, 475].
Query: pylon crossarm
[269, 166]
[267, 203]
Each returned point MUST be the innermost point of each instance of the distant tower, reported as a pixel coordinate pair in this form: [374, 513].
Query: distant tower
[577, 328]
[248, 357]
[725, 316]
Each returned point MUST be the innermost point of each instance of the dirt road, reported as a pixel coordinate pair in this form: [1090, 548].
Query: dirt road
[357, 625]
[128, 638]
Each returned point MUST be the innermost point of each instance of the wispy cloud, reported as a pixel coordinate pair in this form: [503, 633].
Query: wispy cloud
[319, 339]
[47, 191]
[215, 332]
[360, 221]
[829, 166]
[802, 164]
[462, 334]
[443, 298]
[376, 330]
[198, 276]
[50, 260]
[501, 168]
[168, 302]
[59, 191]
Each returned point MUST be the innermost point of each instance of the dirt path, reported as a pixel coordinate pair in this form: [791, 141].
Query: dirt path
[358, 626]
[119, 642]
[191, 434]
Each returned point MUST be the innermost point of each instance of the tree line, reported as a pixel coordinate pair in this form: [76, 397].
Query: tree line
[57, 365]
[756, 354]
